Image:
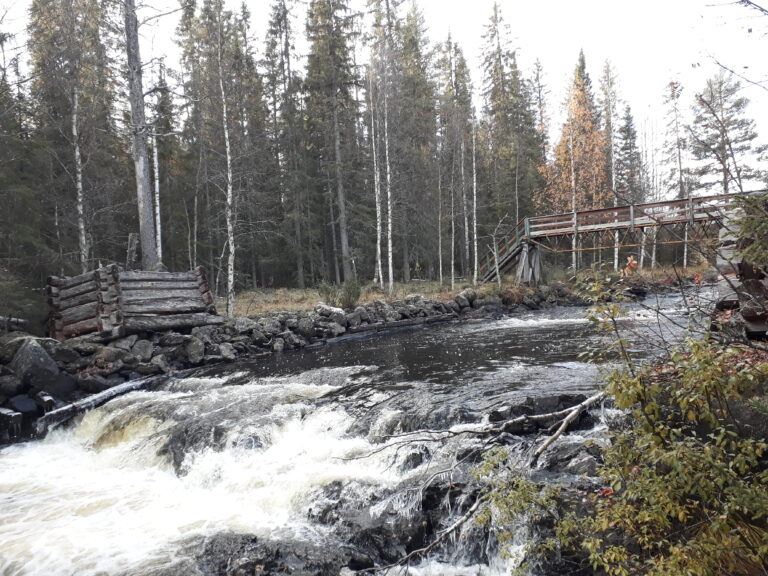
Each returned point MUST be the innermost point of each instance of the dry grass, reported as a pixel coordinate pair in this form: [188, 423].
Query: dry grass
[254, 302]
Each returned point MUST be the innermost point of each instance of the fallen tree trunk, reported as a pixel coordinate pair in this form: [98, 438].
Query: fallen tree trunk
[156, 323]
[59, 416]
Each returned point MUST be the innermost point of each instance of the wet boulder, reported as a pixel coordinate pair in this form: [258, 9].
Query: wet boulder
[10, 344]
[93, 383]
[328, 329]
[11, 385]
[24, 405]
[195, 350]
[354, 319]
[469, 294]
[331, 313]
[125, 343]
[244, 325]
[143, 349]
[36, 369]
[227, 351]
[461, 301]
[306, 327]
[270, 326]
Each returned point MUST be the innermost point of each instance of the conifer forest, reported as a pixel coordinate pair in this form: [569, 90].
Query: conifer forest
[345, 144]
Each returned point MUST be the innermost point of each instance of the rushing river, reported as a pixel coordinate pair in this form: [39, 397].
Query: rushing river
[282, 463]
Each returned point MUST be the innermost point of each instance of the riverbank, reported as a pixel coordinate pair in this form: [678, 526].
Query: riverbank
[40, 375]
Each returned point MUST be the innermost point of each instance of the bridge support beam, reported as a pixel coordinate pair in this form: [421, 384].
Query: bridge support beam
[529, 269]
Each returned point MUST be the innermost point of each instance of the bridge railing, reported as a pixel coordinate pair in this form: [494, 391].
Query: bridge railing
[613, 218]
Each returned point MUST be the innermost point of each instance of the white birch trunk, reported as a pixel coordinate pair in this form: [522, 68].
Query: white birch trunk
[80, 199]
[685, 246]
[474, 202]
[465, 210]
[376, 185]
[440, 221]
[453, 235]
[389, 189]
[156, 168]
[575, 241]
[229, 211]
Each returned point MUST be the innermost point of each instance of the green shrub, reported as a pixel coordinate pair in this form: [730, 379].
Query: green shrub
[350, 294]
[346, 296]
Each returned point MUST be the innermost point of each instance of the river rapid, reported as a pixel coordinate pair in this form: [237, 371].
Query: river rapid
[291, 464]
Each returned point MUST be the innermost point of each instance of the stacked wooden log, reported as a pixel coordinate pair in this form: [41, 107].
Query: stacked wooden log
[113, 303]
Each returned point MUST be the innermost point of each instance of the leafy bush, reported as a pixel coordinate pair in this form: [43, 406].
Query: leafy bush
[753, 230]
[350, 294]
[329, 293]
[346, 296]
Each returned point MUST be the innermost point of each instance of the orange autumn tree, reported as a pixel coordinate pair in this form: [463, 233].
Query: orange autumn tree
[577, 178]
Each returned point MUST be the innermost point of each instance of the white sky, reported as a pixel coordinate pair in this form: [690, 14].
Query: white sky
[648, 42]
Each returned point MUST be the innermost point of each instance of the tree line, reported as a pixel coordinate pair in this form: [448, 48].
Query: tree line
[373, 156]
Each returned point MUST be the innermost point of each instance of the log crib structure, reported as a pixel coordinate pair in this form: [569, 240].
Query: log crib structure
[111, 303]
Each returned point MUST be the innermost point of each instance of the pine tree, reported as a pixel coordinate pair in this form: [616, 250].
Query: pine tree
[577, 179]
[722, 138]
[630, 184]
[331, 116]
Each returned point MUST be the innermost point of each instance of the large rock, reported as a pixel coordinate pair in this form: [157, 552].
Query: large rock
[469, 294]
[93, 383]
[144, 349]
[270, 326]
[306, 327]
[227, 351]
[330, 329]
[208, 334]
[363, 312]
[125, 343]
[244, 325]
[10, 344]
[384, 312]
[354, 319]
[32, 363]
[25, 405]
[461, 301]
[11, 385]
[173, 339]
[195, 350]
[83, 346]
[331, 313]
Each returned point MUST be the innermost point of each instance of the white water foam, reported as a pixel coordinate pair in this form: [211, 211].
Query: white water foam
[85, 501]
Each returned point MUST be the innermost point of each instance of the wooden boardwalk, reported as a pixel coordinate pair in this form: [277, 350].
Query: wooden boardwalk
[703, 209]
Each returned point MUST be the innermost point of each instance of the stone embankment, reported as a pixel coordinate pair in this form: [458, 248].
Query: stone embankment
[38, 375]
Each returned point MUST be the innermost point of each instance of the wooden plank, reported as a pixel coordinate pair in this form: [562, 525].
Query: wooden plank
[127, 285]
[63, 282]
[86, 298]
[79, 313]
[165, 306]
[84, 327]
[89, 286]
[136, 296]
[152, 323]
[158, 276]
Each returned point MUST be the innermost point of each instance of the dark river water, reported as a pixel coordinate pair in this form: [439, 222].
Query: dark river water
[293, 452]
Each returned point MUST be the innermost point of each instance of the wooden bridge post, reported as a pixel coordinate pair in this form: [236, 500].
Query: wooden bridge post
[574, 243]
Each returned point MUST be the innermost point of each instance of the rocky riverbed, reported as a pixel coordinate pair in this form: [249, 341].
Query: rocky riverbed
[38, 375]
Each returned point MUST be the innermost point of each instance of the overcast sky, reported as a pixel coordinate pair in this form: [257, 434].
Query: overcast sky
[648, 42]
